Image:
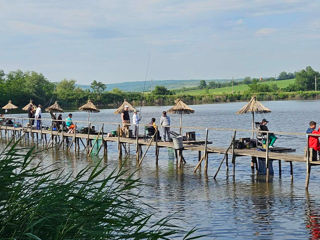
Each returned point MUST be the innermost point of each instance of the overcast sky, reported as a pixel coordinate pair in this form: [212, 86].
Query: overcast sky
[111, 40]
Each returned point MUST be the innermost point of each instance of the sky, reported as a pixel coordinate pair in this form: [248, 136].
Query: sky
[115, 41]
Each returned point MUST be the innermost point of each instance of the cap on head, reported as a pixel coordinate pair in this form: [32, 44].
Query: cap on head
[135, 110]
[264, 120]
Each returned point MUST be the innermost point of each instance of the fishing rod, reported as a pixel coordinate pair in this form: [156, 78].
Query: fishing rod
[145, 80]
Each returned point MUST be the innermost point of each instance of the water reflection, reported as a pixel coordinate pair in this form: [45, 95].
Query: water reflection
[241, 206]
[312, 217]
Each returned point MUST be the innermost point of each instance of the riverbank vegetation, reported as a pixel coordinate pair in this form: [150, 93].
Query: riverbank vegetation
[21, 86]
[37, 203]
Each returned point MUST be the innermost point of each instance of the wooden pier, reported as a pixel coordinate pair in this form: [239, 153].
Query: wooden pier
[86, 142]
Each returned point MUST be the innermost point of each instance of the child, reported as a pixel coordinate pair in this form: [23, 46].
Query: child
[313, 141]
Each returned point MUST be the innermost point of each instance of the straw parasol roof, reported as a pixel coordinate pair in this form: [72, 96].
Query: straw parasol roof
[54, 108]
[180, 108]
[9, 106]
[89, 107]
[121, 108]
[253, 106]
[26, 107]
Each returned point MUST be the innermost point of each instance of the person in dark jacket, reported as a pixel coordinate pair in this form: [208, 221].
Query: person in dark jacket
[272, 137]
[313, 141]
[125, 118]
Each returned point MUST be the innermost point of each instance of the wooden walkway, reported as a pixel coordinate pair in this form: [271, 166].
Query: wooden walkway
[86, 142]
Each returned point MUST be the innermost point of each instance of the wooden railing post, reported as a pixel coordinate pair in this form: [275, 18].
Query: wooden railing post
[267, 156]
[206, 152]
[308, 165]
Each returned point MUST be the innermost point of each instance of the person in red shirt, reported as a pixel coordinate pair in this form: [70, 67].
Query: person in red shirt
[313, 141]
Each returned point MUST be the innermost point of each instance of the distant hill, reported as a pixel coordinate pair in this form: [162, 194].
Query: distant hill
[140, 86]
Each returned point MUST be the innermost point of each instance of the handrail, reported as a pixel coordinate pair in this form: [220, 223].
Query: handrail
[177, 127]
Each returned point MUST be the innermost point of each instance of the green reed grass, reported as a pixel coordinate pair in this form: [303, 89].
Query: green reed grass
[36, 203]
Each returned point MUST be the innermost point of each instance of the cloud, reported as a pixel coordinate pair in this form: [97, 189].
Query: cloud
[265, 32]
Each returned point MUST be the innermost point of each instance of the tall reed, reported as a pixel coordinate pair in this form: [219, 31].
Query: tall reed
[36, 203]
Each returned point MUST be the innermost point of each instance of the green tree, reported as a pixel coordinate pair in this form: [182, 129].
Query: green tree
[98, 87]
[305, 79]
[203, 84]
[161, 90]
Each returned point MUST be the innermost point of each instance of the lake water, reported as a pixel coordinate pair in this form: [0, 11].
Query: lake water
[240, 207]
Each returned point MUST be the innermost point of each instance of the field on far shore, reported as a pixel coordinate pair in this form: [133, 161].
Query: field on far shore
[238, 88]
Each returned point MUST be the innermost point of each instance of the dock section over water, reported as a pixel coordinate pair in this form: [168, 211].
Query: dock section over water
[87, 142]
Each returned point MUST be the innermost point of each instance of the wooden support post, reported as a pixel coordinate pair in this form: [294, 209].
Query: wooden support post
[280, 172]
[88, 140]
[75, 139]
[206, 153]
[199, 155]
[51, 137]
[267, 157]
[180, 158]
[137, 147]
[309, 155]
[119, 144]
[157, 151]
[233, 154]
[291, 170]
[62, 139]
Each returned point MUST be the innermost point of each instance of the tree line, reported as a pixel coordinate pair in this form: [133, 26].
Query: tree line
[20, 87]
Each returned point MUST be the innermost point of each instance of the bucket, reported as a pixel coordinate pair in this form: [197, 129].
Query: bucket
[177, 142]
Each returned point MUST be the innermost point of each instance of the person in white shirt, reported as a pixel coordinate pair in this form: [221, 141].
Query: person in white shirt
[135, 121]
[38, 116]
[165, 124]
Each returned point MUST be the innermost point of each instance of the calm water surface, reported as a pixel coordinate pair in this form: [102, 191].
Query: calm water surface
[240, 207]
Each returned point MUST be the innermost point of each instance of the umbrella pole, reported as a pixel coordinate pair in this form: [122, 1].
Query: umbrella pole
[252, 125]
[180, 123]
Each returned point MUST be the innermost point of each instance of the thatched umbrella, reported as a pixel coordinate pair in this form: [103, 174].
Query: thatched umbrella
[54, 108]
[180, 108]
[253, 106]
[9, 106]
[89, 107]
[26, 107]
[121, 108]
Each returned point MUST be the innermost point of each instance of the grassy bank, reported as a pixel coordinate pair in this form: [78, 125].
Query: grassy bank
[236, 89]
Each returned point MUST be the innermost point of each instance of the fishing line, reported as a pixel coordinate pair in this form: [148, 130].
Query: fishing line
[145, 80]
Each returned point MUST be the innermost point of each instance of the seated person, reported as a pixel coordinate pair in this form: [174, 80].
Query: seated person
[152, 128]
[272, 137]
[70, 126]
[9, 122]
[313, 141]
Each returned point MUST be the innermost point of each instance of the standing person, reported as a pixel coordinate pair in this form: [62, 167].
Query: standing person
[135, 121]
[31, 115]
[59, 122]
[125, 118]
[313, 141]
[272, 137]
[165, 124]
[38, 116]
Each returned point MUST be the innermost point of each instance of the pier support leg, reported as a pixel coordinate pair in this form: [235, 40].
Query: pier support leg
[291, 170]
[280, 171]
